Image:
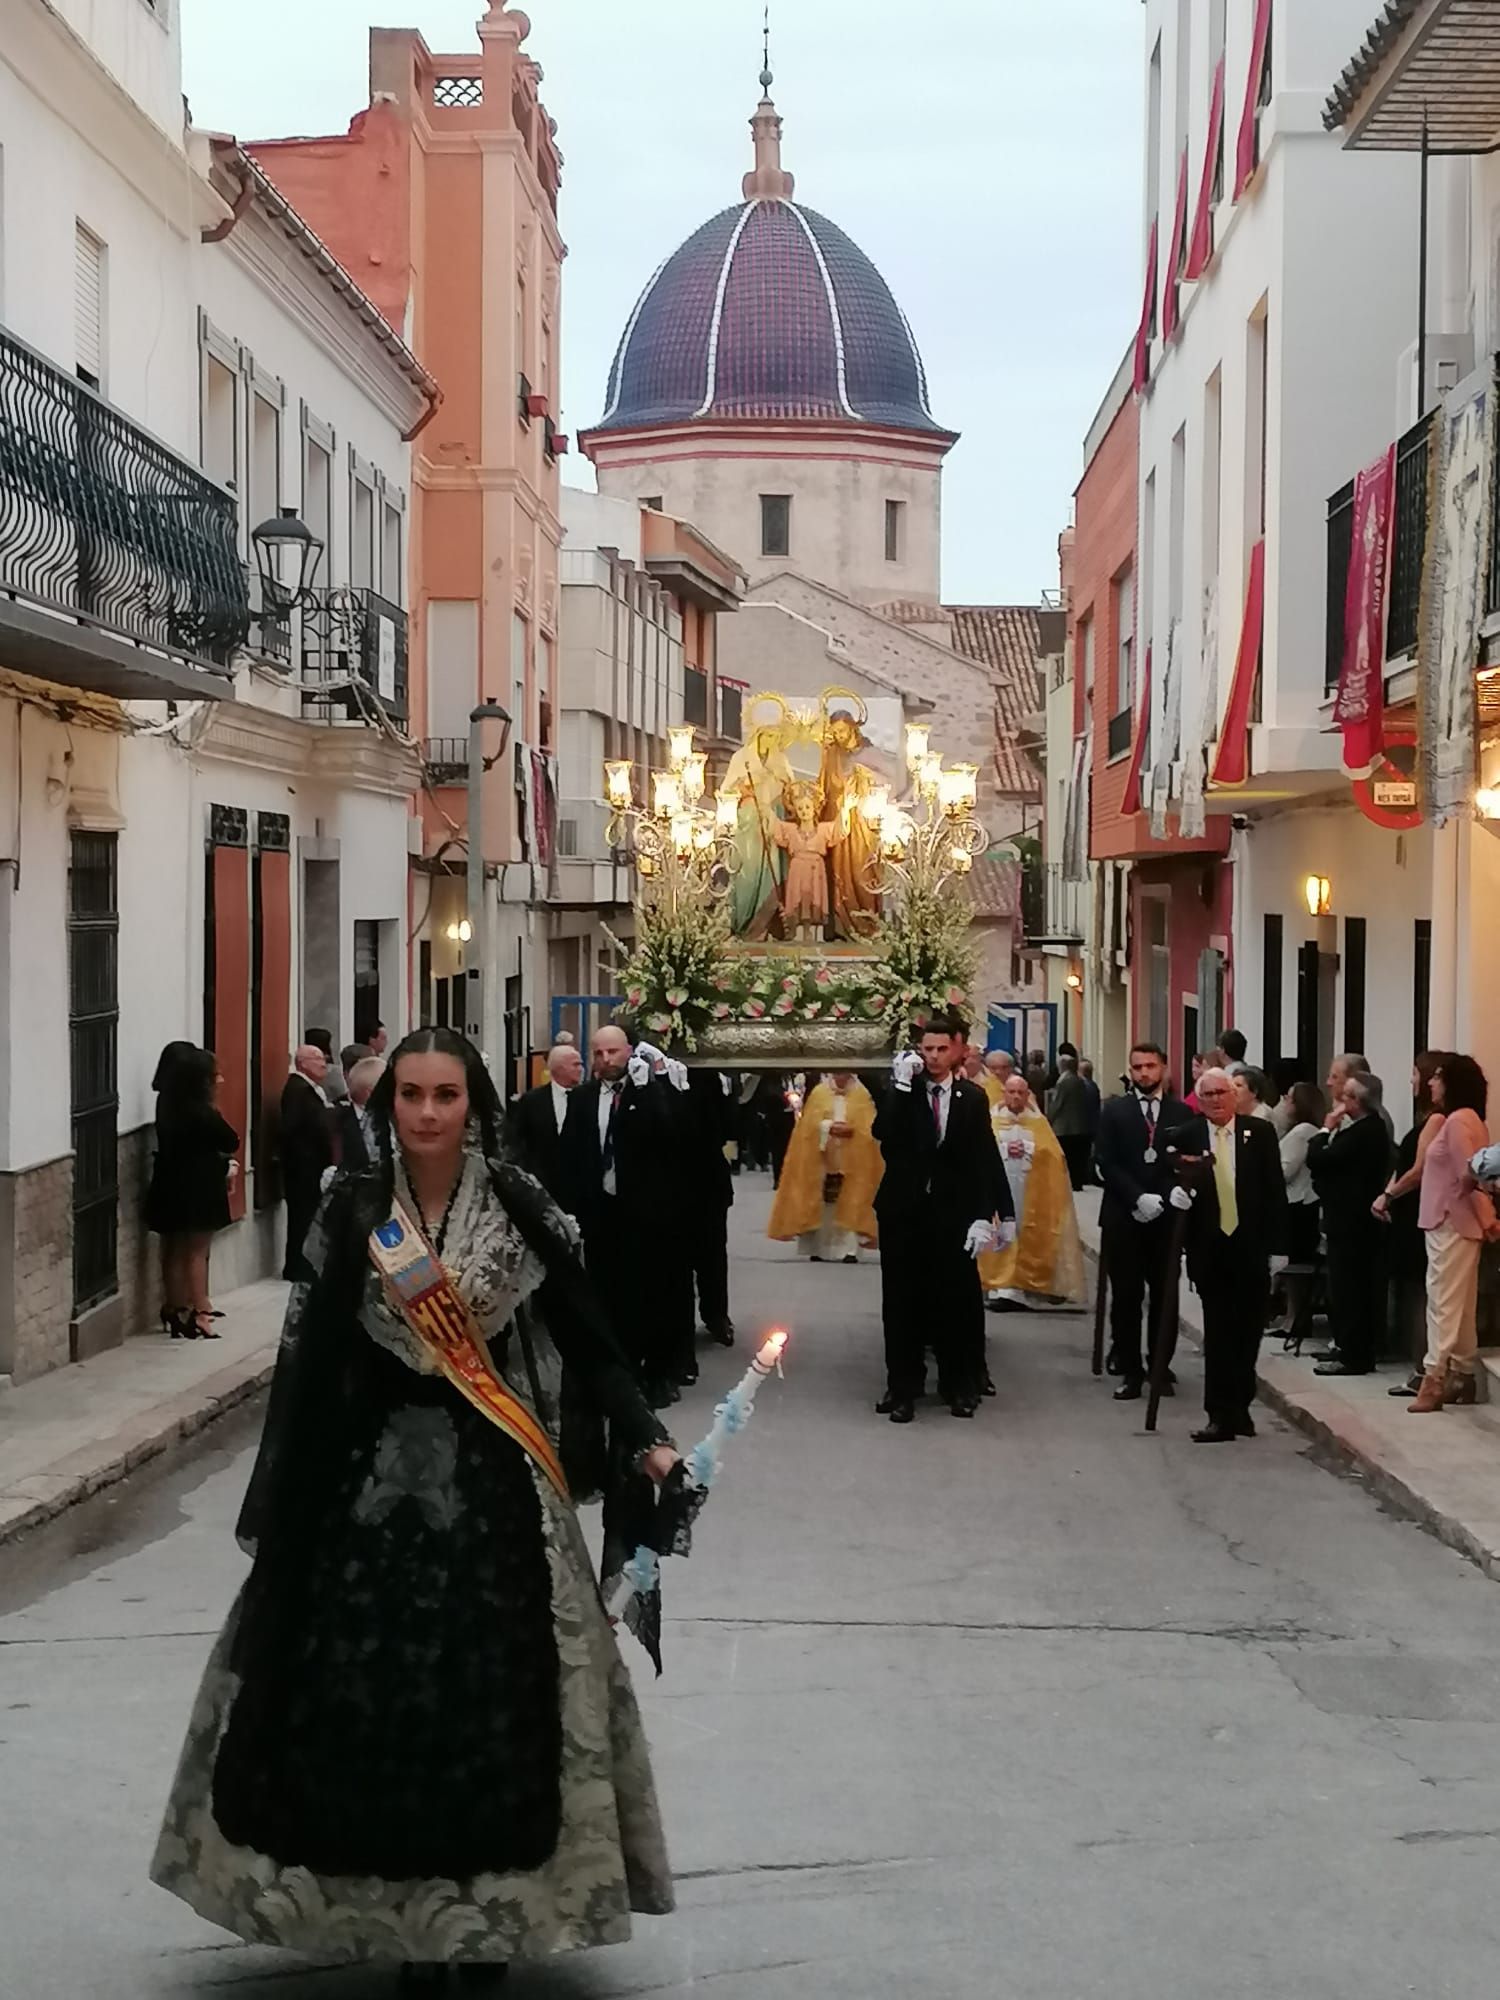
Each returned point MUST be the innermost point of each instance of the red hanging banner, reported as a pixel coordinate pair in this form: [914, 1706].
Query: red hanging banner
[1359, 708]
[1245, 161]
[1231, 765]
[1201, 245]
[1130, 800]
[1171, 313]
[1148, 317]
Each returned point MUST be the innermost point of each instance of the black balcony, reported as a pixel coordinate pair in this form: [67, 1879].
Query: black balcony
[1119, 733]
[353, 657]
[102, 525]
[445, 760]
[731, 713]
[1408, 554]
[695, 697]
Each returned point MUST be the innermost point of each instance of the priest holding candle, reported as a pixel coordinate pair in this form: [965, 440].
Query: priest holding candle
[824, 1201]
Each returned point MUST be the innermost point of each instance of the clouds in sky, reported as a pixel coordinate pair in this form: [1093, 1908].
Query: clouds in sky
[985, 154]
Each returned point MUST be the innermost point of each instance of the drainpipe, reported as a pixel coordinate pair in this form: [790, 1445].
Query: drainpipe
[434, 404]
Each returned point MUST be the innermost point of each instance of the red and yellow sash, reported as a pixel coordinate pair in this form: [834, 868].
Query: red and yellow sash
[428, 1300]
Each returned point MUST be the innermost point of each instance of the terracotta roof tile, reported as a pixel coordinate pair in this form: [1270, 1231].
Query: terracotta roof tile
[992, 886]
[1006, 640]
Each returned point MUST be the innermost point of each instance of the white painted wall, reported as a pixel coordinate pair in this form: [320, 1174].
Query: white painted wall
[139, 43]
[72, 151]
[838, 511]
[1324, 243]
[602, 521]
[257, 289]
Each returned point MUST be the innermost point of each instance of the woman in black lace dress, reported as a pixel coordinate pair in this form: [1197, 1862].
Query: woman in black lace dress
[415, 1740]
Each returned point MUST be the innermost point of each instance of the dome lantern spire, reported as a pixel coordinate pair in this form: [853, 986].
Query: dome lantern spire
[768, 180]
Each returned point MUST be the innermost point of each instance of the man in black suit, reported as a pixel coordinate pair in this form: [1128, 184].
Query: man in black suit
[534, 1123]
[619, 1173]
[1229, 1180]
[306, 1146]
[709, 1196]
[351, 1125]
[937, 1204]
[1131, 1158]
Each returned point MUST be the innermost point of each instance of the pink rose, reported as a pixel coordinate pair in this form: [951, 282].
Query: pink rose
[840, 1010]
[755, 1008]
[812, 1010]
[823, 976]
[790, 983]
[721, 1010]
[635, 996]
[784, 1005]
[877, 1003]
[956, 996]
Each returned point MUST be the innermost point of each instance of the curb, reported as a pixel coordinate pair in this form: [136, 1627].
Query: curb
[31, 1503]
[1386, 1484]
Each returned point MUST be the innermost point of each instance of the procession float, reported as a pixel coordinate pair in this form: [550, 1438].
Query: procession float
[809, 905]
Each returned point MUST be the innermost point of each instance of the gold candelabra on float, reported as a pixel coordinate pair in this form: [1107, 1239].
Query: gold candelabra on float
[684, 850]
[934, 833]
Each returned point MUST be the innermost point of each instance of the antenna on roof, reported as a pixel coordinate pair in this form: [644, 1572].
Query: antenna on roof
[766, 76]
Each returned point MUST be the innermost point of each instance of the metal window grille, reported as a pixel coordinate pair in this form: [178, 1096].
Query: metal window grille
[1340, 555]
[1409, 539]
[93, 1035]
[457, 93]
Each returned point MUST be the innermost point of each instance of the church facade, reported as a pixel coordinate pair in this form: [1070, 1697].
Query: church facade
[768, 388]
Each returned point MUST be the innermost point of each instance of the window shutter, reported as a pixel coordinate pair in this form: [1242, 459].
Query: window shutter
[88, 287]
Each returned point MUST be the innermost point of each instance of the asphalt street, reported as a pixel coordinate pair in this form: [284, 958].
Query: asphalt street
[1034, 1706]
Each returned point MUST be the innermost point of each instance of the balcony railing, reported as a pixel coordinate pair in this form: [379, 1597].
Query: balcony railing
[353, 657]
[695, 697]
[445, 759]
[581, 829]
[99, 521]
[1408, 554]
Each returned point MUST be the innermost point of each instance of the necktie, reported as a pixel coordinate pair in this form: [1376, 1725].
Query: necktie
[937, 1111]
[608, 1156]
[1229, 1208]
[1148, 1105]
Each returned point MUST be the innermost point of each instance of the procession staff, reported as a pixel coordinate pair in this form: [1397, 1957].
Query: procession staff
[415, 1740]
[937, 1206]
[1130, 1154]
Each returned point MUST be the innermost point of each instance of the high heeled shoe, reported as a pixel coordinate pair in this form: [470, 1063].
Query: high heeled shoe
[203, 1327]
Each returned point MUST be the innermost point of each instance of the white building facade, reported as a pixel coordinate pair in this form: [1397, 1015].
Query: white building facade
[1264, 380]
[204, 807]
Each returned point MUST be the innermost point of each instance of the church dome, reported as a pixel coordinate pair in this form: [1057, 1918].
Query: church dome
[768, 312]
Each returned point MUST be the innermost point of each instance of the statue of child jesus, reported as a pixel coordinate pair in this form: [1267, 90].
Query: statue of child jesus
[804, 898]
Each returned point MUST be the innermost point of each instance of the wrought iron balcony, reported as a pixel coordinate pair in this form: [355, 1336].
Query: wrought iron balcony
[1409, 527]
[103, 526]
[353, 657]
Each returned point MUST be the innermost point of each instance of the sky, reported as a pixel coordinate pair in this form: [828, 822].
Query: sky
[984, 153]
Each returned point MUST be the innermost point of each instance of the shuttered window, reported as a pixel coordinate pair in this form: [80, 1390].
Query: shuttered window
[88, 292]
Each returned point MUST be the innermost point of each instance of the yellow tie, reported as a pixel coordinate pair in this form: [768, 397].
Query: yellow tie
[1229, 1208]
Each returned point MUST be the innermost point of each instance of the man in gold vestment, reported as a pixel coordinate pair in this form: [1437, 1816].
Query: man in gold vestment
[1044, 1266]
[832, 1169]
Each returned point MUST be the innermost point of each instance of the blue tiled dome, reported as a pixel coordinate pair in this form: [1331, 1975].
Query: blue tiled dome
[768, 311]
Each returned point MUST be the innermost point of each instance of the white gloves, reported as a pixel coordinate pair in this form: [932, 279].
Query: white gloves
[1485, 1165]
[1180, 1199]
[1148, 1208]
[905, 1070]
[1278, 1265]
[1005, 1233]
[677, 1073]
[639, 1071]
[981, 1237]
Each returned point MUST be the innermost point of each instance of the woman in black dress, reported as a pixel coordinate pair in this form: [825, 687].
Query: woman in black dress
[190, 1177]
[415, 1740]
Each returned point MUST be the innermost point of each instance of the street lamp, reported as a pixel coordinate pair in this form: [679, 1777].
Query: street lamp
[285, 531]
[478, 902]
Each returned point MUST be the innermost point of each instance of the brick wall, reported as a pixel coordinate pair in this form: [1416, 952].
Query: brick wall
[36, 1251]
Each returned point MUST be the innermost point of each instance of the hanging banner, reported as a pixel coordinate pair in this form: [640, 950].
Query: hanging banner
[1359, 706]
[1231, 765]
[1201, 244]
[1388, 796]
[1131, 799]
[1192, 820]
[1166, 731]
[1454, 590]
[1245, 161]
[1171, 305]
[1147, 326]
